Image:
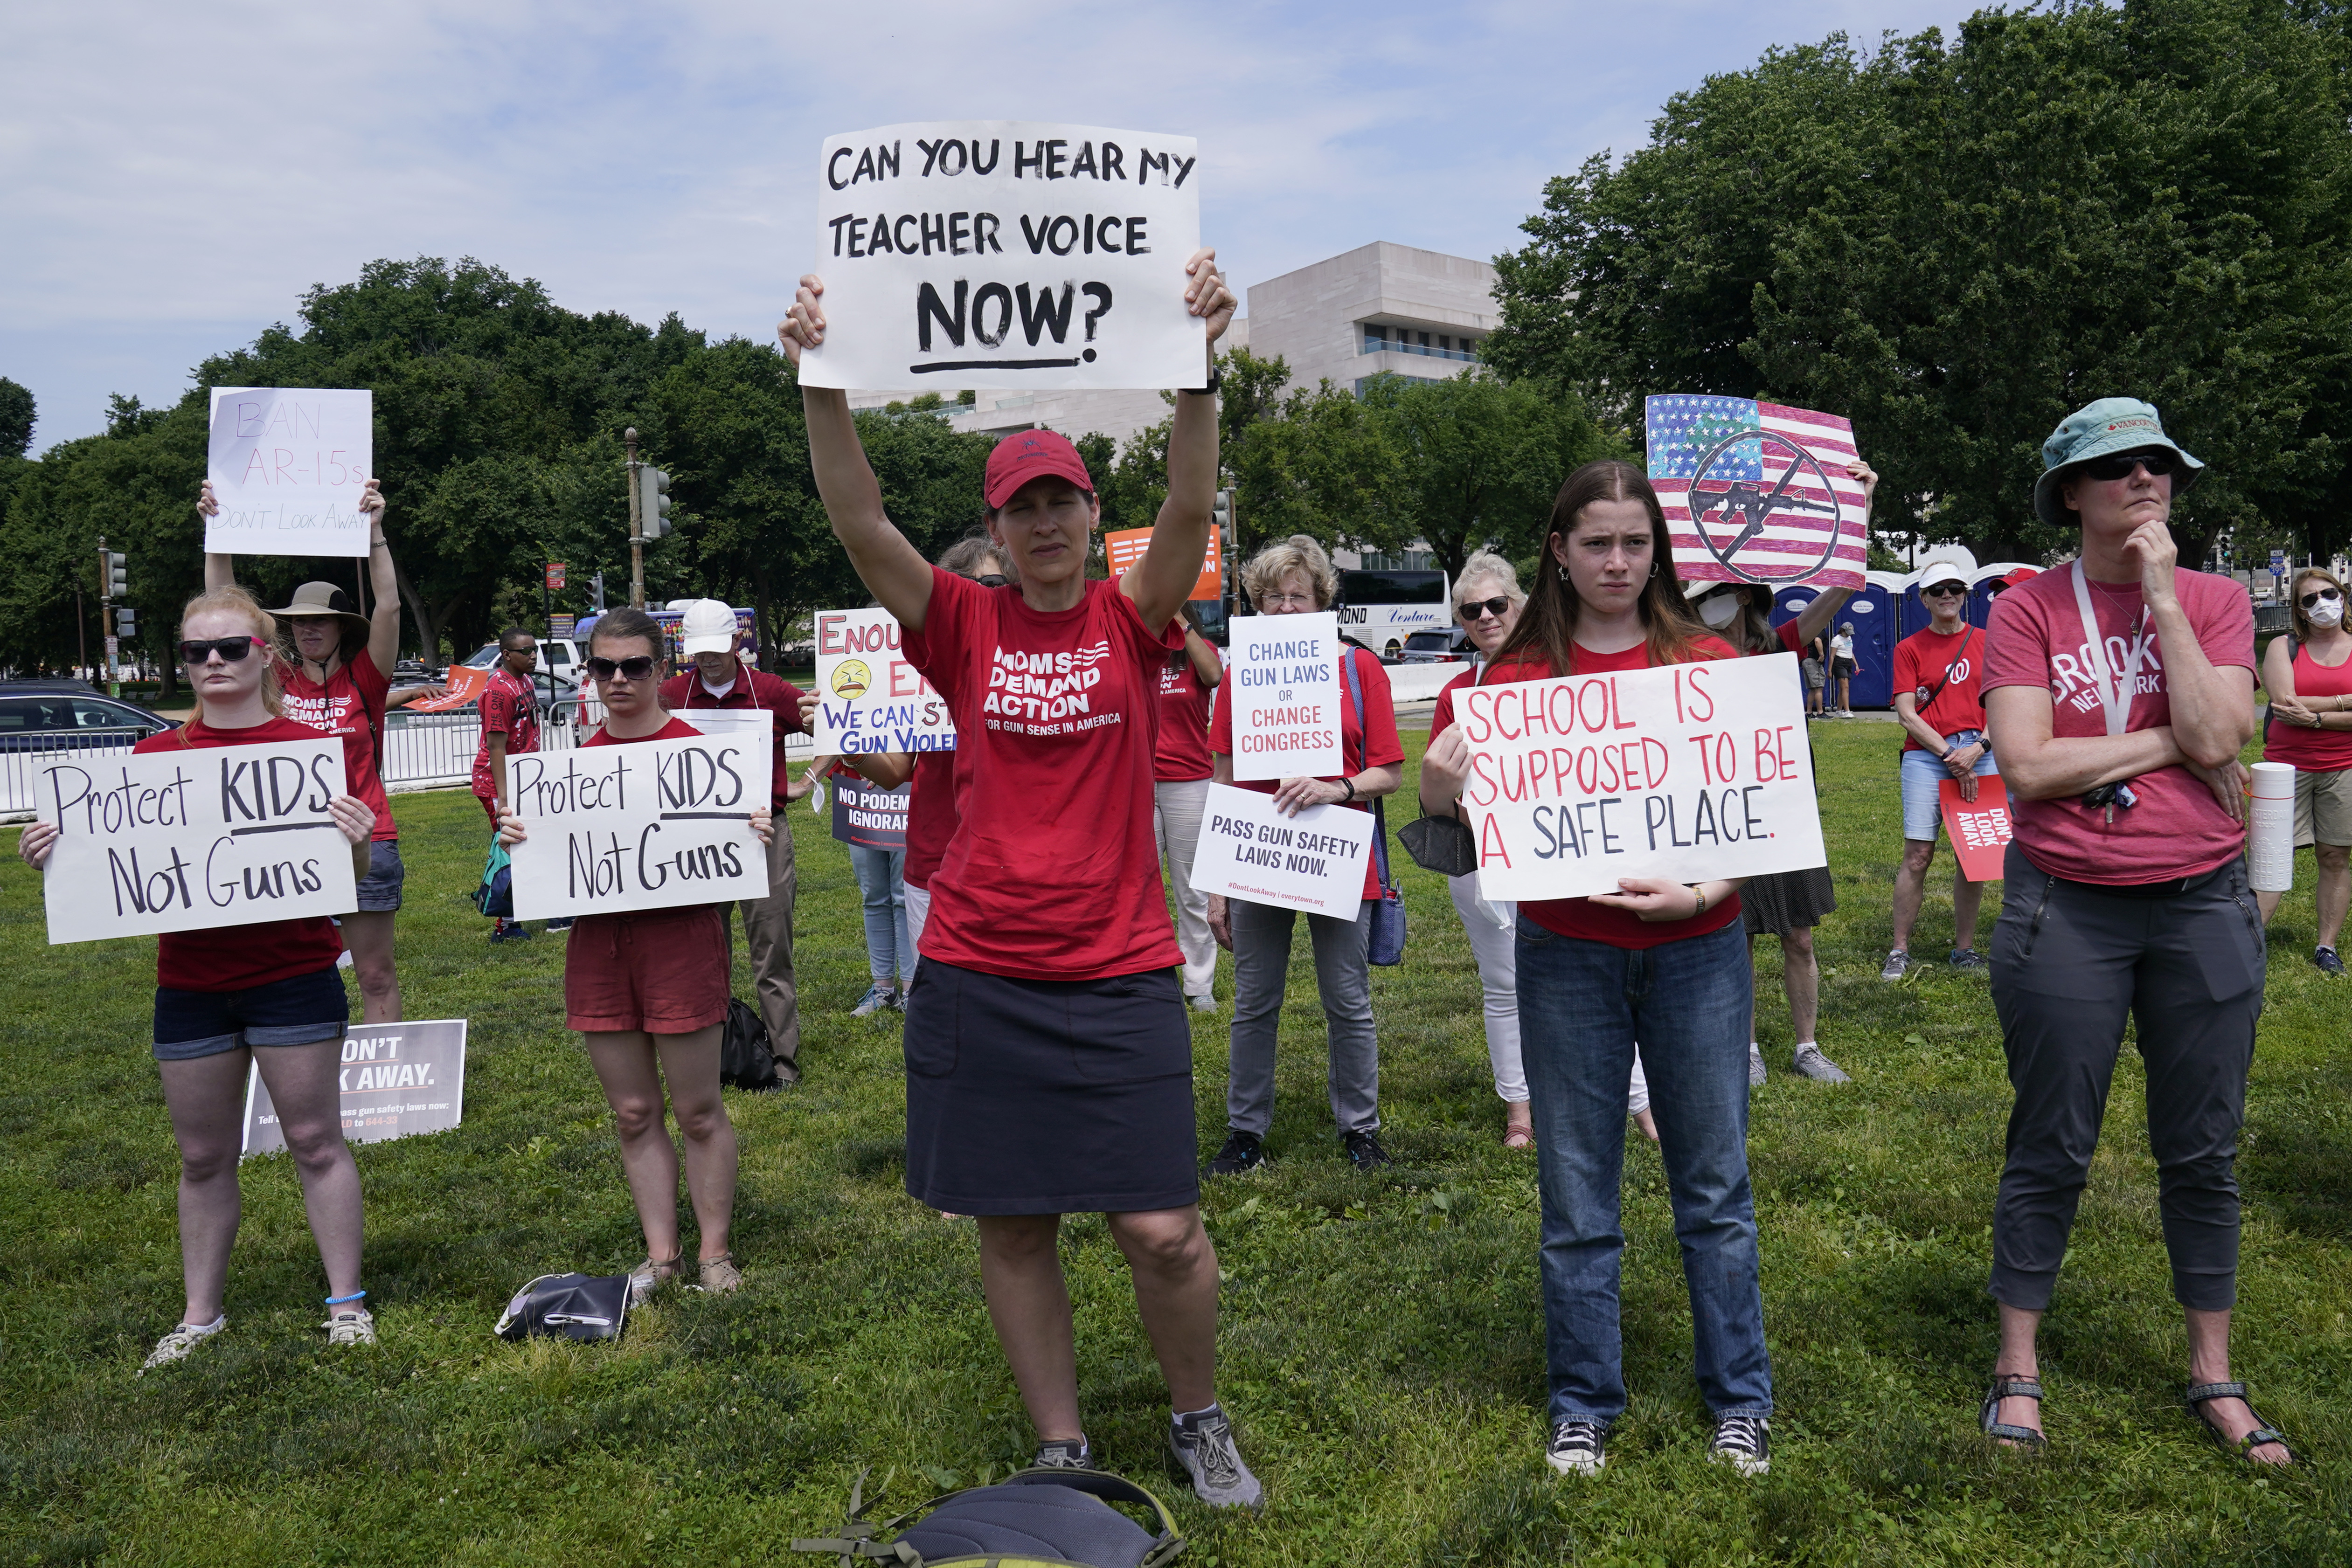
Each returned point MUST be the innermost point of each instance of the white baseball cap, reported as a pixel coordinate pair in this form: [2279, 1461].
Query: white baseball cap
[709, 627]
[1937, 571]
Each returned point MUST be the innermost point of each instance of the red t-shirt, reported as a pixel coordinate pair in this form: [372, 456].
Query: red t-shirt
[1921, 660]
[1053, 874]
[349, 705]
[2314, 750]
[1382, 751]
[752, 688]
[676, 729]
[509, 707]
[930, 816]
[1580, 917]
[238, 958]
[2036, 640]
[1184, 704]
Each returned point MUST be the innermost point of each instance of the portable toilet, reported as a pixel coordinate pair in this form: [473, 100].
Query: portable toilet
[1873, 610]
[1988, 581]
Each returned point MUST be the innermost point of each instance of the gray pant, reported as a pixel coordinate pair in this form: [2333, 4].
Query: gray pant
[1343, 980]
[768, 932]
[2068, 965]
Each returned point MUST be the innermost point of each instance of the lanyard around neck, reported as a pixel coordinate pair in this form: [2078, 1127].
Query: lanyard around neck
[2117, 688]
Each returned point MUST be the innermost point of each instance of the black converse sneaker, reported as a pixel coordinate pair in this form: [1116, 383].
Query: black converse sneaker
[1242, 1152]
[1575, 1447]
[1062, 1454]
[1745, 1441]
[1204, 1444]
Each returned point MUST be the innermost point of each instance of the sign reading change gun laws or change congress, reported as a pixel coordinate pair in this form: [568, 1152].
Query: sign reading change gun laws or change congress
[1753, 492]
[651, 824]
[1286, 701]
[1686, 772]
[397, 1080]
[1250, 851]
[868, 697]
[188, 841]
[1006, 254]
[289, 465]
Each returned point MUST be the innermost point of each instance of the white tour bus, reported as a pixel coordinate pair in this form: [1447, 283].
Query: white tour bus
[1378, 609]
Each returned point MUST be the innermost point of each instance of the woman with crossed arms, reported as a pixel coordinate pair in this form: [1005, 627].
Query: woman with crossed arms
[1049, 1061]
[1663, 962]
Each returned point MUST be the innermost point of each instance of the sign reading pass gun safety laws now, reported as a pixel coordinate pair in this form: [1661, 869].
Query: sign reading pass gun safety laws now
[397, 1080]
[1686, 772]
[1005, 254]
[868, 697]
[289, 465]
[187, 841]
[650, 825]
[1313, 860]
[1286, 702]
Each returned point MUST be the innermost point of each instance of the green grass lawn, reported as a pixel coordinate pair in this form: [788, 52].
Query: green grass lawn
[1382, 1341]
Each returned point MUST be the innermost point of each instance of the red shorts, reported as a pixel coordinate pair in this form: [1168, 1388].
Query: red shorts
[663, 971]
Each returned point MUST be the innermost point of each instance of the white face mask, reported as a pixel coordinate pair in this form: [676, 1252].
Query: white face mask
[1720, 610]
[2327, 613]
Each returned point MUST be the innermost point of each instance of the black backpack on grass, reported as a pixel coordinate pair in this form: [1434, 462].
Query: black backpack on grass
[746, 1060]
[1034, 1519]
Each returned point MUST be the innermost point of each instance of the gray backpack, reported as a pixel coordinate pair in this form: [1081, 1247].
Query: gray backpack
[1033, 1518]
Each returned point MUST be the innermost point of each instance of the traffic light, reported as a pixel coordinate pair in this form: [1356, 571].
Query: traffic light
[597, 586]
[117, 574]
[126, 623]
[653, 502]
[1222, 515]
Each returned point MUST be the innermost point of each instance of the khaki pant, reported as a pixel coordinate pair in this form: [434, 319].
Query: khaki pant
[768, 932]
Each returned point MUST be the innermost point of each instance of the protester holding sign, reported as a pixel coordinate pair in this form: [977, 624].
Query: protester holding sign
[232, 996]
[2309, 679]
[722, 678]
[510, 714]
[2119, 691]
[1659, 961]
[649, 990]
[1048, 1061]
[337, 683]
[1180, 771]
[1294, 577]
[1938, 676]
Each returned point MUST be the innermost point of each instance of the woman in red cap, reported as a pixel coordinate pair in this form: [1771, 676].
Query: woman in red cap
[1049, 1059]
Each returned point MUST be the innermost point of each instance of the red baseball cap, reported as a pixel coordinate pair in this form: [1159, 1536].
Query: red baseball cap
[1029, 455]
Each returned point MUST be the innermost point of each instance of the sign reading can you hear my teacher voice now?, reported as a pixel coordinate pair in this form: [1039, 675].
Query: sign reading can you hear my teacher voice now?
[651, 825]
[396, 1080]
[289, 465]
[1006, 254]
[1684, 772]
[189, 840]
[1286, 701]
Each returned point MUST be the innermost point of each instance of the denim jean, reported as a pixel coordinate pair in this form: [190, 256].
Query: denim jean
[880, 878]
[1582, 1006]
[1343, 982]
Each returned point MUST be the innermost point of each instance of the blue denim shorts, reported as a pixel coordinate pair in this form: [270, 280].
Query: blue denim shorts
[1923, 784]
[301, 1009]
[379, 889]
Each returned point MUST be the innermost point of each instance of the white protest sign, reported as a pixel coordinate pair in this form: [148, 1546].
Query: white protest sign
[188, 841]
[397, 1080]
[652, 824]
[1313, 860]
[869, 698]
[289, 465]
[1286, 704]
[1686, 772]
[1006, 254]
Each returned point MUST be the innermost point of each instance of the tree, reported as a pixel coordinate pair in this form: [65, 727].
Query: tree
[15, 419]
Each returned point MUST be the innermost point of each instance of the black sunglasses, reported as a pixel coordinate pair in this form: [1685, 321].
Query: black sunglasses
[1944, 590]
[2119, 464]
[1479, 608]
[994, 580]
[232, 649]
[634, 669]
[2309, 600]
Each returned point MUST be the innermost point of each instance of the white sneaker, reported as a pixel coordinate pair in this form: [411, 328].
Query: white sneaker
[180, 1341]
[1755, 1065]
[1575, 1447]
[353, 1326]
[1809, 1060]
[1203, 1003]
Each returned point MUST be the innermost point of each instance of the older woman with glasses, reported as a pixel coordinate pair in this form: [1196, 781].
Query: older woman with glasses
[2309, 679]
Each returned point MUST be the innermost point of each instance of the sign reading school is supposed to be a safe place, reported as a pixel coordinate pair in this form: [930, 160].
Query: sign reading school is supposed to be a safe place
[869, 699]
[1285, 702]
[1006, 254]
[1684, 772]
[654, 824]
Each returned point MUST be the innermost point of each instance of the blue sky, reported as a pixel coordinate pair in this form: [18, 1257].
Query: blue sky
[174, 176]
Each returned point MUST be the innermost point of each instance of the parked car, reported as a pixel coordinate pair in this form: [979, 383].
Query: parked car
[1438, 645]
[557, 655]
[70, 715]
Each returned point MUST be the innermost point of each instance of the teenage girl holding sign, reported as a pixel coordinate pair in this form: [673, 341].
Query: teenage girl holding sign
[648, 988]
[267, 993]
[1663, 962]
[1049, 1063]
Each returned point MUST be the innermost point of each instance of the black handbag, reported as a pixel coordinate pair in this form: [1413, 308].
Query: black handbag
[568, 1306]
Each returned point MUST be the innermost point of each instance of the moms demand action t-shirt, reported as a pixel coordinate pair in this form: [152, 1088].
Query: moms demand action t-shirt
[1183, 724]
[1377, 720]
[2036, 640]
[347, 706]
[238, 958]
[1923, 659]
[1053, 874]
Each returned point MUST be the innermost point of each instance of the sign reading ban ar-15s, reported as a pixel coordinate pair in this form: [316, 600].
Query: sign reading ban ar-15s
[651, 824]
[187, 841]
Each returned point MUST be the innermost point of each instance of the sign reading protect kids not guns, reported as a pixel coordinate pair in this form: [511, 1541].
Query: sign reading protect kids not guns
[1004, 254]
[289, 465]
[188, 841]
[868, 697]
[650, 825]
[1686, 772]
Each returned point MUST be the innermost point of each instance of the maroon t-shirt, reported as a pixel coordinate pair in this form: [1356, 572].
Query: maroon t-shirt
[931, 816]
[752, 688]
[1183, 749]
[349, 705]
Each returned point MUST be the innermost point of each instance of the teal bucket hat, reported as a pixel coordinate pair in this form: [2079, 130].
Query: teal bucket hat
[2110, 424]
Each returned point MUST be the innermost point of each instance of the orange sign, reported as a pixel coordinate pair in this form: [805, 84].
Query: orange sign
[1125, 546]
[1979, 829]
[465, 682]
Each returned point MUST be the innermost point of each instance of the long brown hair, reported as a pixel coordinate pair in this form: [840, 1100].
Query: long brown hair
[1547, 624]
[236, 601]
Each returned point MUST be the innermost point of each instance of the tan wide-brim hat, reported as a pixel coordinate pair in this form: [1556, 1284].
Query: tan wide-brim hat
[325, 599]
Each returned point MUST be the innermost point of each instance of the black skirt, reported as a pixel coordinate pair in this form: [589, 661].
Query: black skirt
[1777, 903]
[1048, 1096]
